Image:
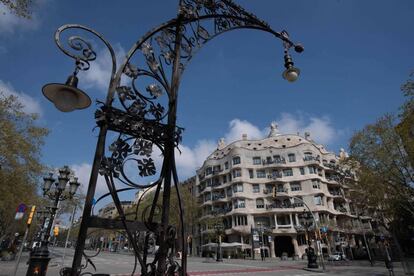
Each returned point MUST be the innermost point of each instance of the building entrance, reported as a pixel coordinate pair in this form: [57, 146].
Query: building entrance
[284, 244]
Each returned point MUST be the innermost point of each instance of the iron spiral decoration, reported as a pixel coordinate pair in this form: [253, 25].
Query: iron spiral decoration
[141, 107]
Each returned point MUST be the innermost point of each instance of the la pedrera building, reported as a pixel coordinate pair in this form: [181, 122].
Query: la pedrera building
[255, 195]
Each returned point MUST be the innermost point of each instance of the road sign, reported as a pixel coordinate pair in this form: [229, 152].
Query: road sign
[20, 211]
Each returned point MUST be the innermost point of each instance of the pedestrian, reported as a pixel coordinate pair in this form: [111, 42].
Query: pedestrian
[262, 254]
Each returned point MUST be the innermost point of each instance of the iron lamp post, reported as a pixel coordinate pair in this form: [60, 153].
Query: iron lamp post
[219, 229]
[134, 109]
[65, 187]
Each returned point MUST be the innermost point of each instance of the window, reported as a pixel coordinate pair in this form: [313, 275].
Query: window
[308, 156]
[216, 169]
[256, 188]
[207, 197]
[312, 170]
[291, 157]
[269, 160]
[295, 186]
[287, 172]
[237, 173]
[225, 178]
[277, 158]
[229, 177]
[302, 170]
[283, 219]
[316, 184]
[226, 165]
[238, 187]
[208, 182]
[301, 239]
[240, 220]
[261, 174]
[239, 203]
[251, 174]
[257, 161]
[259, 203]
[236, 160]
[209, 170]
[318, 200]
[229, 192]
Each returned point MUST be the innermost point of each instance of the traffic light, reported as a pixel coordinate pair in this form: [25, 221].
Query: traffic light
[274, 191]
[29, 220]
[56, 231]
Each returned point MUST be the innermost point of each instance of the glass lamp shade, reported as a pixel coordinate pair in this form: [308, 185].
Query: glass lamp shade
[73, 185]
[48, 181]
[61, 184]
[291, 74]
[66, 97]
[64, 172]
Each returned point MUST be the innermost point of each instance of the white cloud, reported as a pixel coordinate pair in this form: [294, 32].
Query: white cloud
[99, 73]
[239, 127]
[30, 104]
[9, 22]
[320, 128]
[83, 172]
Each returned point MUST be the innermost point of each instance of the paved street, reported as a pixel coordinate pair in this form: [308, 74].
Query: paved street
[121, 264]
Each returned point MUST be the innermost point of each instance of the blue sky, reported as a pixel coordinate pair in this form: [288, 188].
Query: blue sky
[357, 54]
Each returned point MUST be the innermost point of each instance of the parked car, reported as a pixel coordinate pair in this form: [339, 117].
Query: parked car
[336, 256]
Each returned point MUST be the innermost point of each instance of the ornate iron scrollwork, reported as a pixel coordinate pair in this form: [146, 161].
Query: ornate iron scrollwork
[141, 107]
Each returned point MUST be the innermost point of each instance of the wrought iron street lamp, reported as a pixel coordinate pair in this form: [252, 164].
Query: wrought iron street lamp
[219, 229]
[134, 109]
[65, 187]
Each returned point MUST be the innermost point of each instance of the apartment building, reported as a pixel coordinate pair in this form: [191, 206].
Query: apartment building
[262, 189]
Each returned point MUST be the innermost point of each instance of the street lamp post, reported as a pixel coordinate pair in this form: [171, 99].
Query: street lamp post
[39, 260]
[262, 247]
[133, 108]
[317, 230]
[219, 228]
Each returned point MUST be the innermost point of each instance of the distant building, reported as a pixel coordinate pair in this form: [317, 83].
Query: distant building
[258, 188]
[110, 211]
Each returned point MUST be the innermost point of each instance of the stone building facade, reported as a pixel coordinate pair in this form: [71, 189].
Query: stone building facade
[258, 188]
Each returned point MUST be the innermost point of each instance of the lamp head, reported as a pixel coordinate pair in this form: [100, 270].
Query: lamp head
[291, 73]
[66, 97]
[48, 181]
[73, 186]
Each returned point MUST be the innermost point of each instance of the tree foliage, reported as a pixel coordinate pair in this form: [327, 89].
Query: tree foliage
[20, 167]
[21, 8]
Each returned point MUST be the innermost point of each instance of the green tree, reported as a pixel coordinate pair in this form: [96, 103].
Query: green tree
[20, 167]
[21, 8]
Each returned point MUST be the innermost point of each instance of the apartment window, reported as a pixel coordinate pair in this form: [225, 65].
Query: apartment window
[261, 174]
[239, 203]
[229, 192]
[277, 158]
[295, 186]
[256, 188]
[225, 178]
[318, 200]
[301, 239]
[209, 171]
[240, 220]
[251, 173]
[287, 172]
[208, 182]
[308, 156]
[302, 170]
[312, 170]
[217, 168]
[207, 197]
[269, 160]
[316, 184]
[283, 219]
[226, 165]
[229, 176]
[257, 160]
[238, 187]
[237, 173]
[292, 157]
[259, 203]
[236, 160]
